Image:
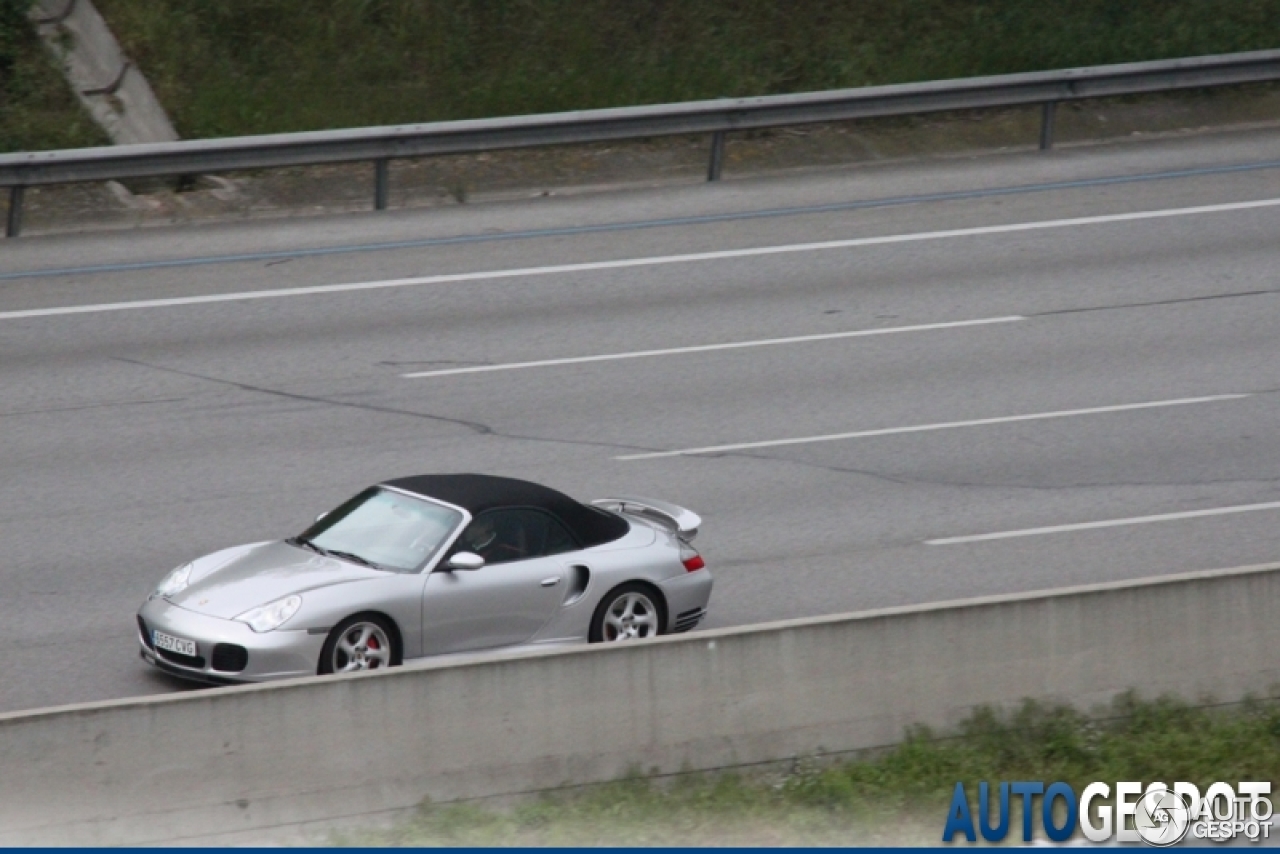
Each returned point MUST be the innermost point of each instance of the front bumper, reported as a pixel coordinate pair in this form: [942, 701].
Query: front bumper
[270, 655]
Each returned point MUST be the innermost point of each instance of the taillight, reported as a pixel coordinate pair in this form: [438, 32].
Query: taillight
[690, 558]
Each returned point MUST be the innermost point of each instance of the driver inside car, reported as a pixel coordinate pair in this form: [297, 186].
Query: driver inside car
[482, 538]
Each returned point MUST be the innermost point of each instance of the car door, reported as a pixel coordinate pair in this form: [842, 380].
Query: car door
[507, 600]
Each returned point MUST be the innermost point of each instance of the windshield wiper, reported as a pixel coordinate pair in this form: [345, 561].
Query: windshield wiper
[305, 543]
[354, 558]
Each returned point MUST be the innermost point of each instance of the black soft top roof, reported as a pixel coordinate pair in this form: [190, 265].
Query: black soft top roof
[480, 492]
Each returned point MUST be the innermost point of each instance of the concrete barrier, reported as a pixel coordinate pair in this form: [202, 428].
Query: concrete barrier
[213, 763]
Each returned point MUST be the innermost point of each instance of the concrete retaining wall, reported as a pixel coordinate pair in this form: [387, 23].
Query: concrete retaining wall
[221, 761]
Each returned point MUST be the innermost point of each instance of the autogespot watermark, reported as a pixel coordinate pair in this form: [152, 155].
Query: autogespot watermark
[1158, 814]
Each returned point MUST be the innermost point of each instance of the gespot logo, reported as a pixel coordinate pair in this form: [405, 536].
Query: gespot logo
[1158, 815]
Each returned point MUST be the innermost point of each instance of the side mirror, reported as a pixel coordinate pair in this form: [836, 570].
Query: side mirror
[322, 515]
[465, 561]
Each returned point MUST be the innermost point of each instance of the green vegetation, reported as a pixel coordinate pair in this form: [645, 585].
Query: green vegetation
[37, 109]
[900, 796]
[226, 67]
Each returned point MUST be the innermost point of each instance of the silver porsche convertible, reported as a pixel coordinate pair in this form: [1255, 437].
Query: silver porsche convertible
[429, 565]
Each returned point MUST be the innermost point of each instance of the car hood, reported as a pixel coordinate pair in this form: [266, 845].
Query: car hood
[249, 576]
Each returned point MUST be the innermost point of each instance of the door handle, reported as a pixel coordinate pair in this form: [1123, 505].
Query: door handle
[551, 582]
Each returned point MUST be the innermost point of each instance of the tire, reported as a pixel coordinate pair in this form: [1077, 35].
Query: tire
[362, 642]
[628, 612]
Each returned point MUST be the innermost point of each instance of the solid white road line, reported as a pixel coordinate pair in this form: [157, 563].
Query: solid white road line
[921, 428]
[1109, 523]
[704, 348]
[652, 261]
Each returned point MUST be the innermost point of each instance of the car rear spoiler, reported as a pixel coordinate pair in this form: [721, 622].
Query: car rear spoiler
[684, 522]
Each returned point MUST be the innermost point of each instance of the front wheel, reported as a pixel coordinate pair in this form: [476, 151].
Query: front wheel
[628, 612]
[363, 642]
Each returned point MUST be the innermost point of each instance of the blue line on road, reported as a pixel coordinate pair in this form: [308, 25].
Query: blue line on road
[639, 224]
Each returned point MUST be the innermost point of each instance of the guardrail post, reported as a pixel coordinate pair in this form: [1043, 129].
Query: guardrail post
[1046, 125]
[14, 226]
[717, 156]
[380, 184]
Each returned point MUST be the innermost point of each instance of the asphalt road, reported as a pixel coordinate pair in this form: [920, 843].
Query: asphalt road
[1124, 367]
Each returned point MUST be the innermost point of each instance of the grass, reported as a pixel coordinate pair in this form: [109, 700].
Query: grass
[899, 796]
[37, 108]
[226, 67]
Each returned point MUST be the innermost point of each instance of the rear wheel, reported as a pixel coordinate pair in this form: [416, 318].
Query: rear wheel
[362, 642]
[629, 612]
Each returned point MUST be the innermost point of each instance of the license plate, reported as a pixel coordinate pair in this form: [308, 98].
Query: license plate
[172, 644]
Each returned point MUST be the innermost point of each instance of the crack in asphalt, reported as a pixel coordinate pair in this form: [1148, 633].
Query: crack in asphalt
[874, 475]
[1205, 298]
[466, 364]
[91, 406]
[961, 484]
[475, 426]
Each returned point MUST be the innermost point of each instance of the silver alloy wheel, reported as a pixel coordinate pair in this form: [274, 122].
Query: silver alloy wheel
[362, 646]
[631, 615]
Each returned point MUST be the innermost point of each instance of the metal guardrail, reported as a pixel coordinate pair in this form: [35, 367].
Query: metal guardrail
[382, 144]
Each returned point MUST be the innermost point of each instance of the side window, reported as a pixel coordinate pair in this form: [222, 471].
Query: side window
[498, 536]
[544, 534]
[558, 539]
[503, 536]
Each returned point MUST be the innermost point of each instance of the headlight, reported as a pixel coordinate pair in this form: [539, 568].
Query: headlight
[267, 617]
[174, 582]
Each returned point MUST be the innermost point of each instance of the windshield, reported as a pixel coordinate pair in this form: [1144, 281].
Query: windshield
[389, 530]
